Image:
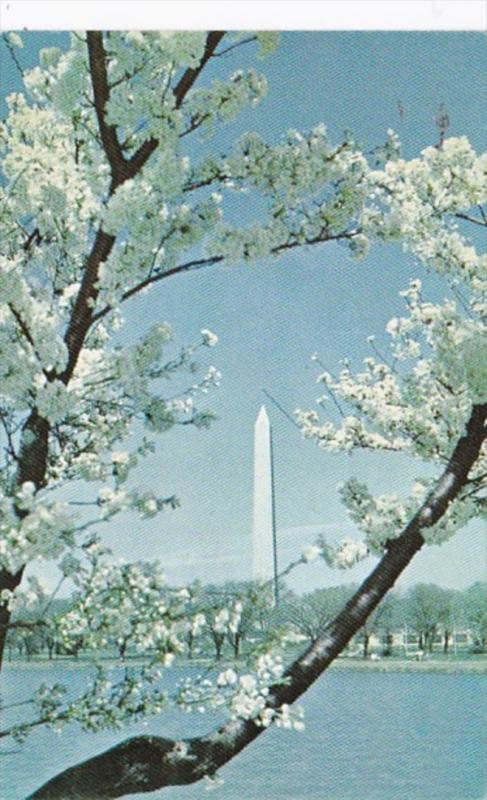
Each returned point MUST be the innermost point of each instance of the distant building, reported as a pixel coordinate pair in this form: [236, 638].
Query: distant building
[408, 641]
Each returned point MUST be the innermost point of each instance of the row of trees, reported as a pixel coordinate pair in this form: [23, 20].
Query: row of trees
[423, 614]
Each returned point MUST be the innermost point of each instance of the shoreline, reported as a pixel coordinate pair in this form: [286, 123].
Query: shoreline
[476, 666]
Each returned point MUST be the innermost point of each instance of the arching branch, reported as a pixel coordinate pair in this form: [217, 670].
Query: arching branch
[147, 763]
[199, 263]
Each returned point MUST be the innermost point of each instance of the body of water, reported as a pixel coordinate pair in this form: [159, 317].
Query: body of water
[369, 736]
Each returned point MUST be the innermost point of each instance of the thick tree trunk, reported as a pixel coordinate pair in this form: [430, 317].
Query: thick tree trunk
[31, 468]
[10, 582]
[388, 644]
[218, 639]
[147, 763]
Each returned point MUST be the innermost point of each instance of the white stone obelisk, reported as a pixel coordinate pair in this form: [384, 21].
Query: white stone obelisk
[264, 526]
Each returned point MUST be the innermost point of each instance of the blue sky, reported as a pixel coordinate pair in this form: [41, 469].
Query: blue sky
[272, 316]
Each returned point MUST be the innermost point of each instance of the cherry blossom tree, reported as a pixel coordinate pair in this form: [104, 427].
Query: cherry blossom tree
[100, 201]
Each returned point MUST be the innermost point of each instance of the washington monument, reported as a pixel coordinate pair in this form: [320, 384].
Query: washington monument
[264, 546]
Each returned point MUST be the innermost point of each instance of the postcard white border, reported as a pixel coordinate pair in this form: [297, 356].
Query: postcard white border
[250, 14]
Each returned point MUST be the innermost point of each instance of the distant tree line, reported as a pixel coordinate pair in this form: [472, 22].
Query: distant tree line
[420, 616]
[425, 617]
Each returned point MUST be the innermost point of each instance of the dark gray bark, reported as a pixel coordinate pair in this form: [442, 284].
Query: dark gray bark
[31, 467]
[147, 763]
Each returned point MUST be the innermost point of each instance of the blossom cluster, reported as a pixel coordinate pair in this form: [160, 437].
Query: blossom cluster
[245, 696]
[416, 402]
[426, 203]
[416, 399]
[107, 701]
[128, 605]
[131, 607]
[315, 193]
[18, 598]
[44, 529]
[343, 555]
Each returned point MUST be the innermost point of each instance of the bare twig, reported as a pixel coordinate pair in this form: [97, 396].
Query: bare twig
[468, 218]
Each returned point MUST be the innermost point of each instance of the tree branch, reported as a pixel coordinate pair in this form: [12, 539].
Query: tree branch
[234, 46]
[147, 763]
[468, 218]
[191, 74]
[158, 276]
[180, 91]
[10, 452]
[208, 262]
[101, 94]
[13, 55]
[81, 317]
[24, 329]
[321, 238]
[82, 312]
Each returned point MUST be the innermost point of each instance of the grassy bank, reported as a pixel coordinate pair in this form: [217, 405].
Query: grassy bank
[464, 663]
[472, 664]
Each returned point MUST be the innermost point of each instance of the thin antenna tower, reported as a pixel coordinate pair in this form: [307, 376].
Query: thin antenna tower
[274, 523]
[274, 530]
[281, 409]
